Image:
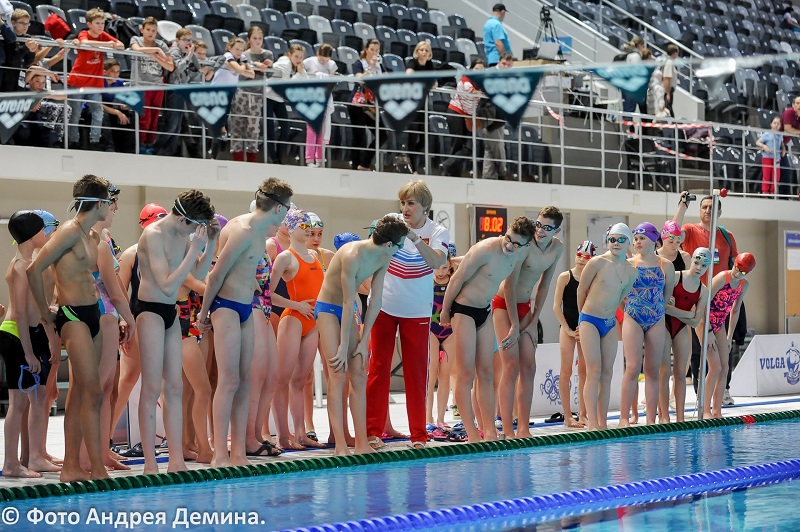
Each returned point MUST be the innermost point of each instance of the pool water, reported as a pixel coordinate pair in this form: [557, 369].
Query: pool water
[329, 496]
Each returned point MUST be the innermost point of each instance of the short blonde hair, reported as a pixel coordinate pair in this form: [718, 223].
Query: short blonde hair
[416, 190]
[95, 13]
[19, 14]
[419, 45]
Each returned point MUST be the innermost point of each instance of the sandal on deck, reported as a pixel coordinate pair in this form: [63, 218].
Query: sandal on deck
[376, 443]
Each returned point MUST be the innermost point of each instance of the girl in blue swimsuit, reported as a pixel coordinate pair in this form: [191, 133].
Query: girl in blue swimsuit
[644, 321]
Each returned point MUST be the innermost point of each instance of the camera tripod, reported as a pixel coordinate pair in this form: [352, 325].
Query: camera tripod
[547, 29]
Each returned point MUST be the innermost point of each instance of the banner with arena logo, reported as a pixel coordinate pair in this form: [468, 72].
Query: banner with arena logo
[133, 99]
[211, 103]
[508, 90]
[630, 79]
[310, 100]
[400, 98]
[12, 112]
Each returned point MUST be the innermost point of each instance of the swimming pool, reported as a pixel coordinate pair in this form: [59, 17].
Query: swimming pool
[303, 499]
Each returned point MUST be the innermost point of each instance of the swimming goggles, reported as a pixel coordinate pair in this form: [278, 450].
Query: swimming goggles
[516, 244]
[36, 379]
[548, 228]
[274, 198]
[620, 239]
[182, 212]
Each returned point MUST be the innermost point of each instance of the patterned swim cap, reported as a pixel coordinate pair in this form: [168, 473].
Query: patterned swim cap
[671, 229]
[50, 222]
[587, 247]
[295, 218]
[451, 250]
[703, 255]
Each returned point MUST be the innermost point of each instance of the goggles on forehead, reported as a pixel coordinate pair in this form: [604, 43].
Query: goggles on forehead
[274, 198]
[182, 212]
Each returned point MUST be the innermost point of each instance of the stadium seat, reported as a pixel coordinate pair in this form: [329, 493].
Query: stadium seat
[167, 29]
[249, 14]
[348, 56]
[393, 63]
[231, 20]
[438, 18]
[76, 18]
[124, 8]
[295, 21]
[304, 8]
[364, 31]
[321, 25]
[105, 5]
[180, 15]
[468, 48]
[341, 134]
[342, 28]
[150, 8]
[309, 50]
[221, 37]
[24, 6]
[348, 15]
[275, 20]
[276, 45]
[199, 9]
[284, 6]
[199, 33]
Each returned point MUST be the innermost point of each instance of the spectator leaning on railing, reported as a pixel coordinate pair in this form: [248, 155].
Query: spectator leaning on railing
[118, 121]
[150, 71]
[184, 58]
[44, 125]
[87, 71]
[20, 54]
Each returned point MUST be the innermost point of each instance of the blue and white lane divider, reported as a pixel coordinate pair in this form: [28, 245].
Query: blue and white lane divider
[541, 508]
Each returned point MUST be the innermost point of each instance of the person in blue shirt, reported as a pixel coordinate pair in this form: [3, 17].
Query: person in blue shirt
[772, 147]
[495, 37]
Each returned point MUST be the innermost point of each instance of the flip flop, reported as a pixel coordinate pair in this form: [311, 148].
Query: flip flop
[558, 417]
[376, 443]
[457, 437]
[265, 446]
[134, 452]
[312, 436]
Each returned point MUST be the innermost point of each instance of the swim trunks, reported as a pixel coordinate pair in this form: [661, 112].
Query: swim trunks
[603, 325]
[645, 303]
[244, 310]
[523, 309]
[88, 314]
[14, 355]
[167, 311]
[477, 314]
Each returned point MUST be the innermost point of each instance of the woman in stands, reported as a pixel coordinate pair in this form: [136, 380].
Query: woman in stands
[288, 66]
[362, 112]
[460, 121]
[246, 114]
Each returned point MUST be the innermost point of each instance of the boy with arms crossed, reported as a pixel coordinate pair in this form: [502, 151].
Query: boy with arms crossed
[167, 255]
[519, 362]
[228, 304]
[468, 300]
[610, 278]
[335, 314]
[73, 251]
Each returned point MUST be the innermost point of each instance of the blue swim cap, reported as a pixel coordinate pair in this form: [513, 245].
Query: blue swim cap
[50, 222]
[344, 238]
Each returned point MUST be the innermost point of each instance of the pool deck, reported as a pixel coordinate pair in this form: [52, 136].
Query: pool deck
[743, 406]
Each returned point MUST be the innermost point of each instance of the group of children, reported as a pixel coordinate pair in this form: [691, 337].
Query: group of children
[240, 307]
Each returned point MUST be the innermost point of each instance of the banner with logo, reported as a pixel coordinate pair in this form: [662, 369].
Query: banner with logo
[12, 113]
[211, 103]
[631, 79]
[508, 90]
[132, 99]
[310, 100]
[546, 396]
[769, 366]
[400, 98]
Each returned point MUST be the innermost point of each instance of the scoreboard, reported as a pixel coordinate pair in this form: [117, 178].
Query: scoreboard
[489, 221]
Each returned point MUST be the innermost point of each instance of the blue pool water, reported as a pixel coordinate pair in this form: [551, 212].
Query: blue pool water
[309, 498]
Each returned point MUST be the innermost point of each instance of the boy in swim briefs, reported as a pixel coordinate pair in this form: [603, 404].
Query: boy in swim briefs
[467, 304]
[644, 321]
[228, 305]
[167, 255]
[339, 341]
[73, 252]
[605, 282]
[518, 358]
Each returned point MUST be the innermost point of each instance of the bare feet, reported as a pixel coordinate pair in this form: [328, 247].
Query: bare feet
[205, 457]
[241, 461]
[663, 420]
[523, 432]
[114, 465]
[290, 444]
[308, 442]
[349, 440]
[43, 466]
[623, 423]
[20, 471]
[172, 468]
[341, 450]
[570, 422]
[189, 454]
[223, 461]
[54, 460]
[365, 450]
[150, 470]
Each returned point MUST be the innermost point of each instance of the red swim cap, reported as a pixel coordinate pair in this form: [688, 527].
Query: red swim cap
[745, 262]
[150, 213]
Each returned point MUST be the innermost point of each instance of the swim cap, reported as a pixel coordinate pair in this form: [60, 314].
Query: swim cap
[222, 220]
[296, 217]
[252, 205]
[671, 229]
[451, 249]
[619, 229]
[150, 213]
[745, 262]
[113, 190]
[316, 221]
[50, 222]
[703, 255]
[647, 229]
[344, 238]
[24, 225]
[587, 247]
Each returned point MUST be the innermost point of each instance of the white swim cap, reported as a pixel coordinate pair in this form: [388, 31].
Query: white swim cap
[620, 229]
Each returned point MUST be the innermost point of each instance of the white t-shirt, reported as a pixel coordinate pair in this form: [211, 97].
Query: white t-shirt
[408, 286]
[226, 76]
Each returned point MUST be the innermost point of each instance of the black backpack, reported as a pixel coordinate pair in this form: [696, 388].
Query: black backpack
[487, 112]
[122, 29]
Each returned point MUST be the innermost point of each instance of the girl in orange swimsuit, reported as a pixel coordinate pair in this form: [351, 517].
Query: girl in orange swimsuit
[297, 333]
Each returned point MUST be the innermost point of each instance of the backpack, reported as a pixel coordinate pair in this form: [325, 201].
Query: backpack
[621, 57]
[487, 111]
[122, 29]
[56, 26]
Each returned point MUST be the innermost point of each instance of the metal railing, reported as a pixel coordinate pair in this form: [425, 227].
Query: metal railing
[575, 143]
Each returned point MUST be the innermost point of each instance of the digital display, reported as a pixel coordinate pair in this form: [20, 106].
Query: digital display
[490, 221]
